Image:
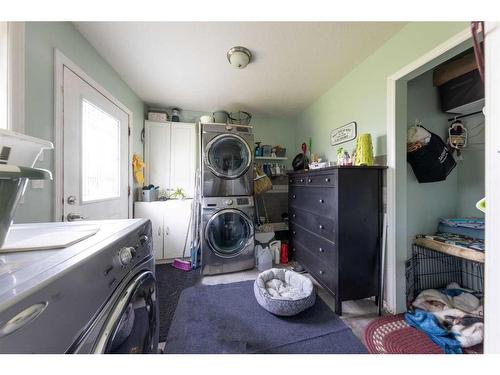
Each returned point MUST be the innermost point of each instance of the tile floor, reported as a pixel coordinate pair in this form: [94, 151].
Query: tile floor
[356, 314]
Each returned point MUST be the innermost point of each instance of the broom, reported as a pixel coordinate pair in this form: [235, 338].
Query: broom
[261, 182]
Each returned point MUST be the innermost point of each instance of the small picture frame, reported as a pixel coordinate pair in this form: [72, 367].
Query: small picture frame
[343, 134]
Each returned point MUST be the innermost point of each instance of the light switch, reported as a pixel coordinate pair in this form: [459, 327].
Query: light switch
[37, 184]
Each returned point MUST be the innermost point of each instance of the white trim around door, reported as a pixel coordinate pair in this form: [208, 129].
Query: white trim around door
[61, 61]
[396, 161]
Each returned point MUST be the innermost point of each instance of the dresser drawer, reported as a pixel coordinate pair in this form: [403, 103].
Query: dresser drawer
[297, 180]
[320, 225]
[325, 180]
[325, 250]
[319, 270]
[320, 201]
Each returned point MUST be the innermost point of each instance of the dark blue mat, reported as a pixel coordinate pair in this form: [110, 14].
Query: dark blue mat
[226, 318]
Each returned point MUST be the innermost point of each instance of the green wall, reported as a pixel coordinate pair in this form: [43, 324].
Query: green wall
[41, 39]
[361, 95]
[427, 203]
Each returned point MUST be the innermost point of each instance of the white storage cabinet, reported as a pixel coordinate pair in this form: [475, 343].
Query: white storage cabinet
[170, 220]
[170, 155]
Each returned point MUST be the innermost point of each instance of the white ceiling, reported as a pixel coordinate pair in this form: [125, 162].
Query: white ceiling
[184, 64]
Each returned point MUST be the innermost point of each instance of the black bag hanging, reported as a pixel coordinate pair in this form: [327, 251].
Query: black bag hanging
[433, 161]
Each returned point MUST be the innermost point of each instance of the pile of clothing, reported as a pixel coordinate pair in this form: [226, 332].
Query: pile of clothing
[451, 317]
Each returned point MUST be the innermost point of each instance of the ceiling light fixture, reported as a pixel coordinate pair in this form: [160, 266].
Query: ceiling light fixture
[239, 57]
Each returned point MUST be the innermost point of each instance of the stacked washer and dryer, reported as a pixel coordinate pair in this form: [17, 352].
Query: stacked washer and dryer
[227, 205]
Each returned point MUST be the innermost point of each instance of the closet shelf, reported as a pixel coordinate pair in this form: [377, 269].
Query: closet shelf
[458, 251]
[270, 158]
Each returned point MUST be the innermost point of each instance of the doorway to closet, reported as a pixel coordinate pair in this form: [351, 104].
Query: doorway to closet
[415, 209]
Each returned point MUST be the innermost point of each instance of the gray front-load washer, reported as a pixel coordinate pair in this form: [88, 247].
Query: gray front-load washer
[96, 296]
[227, 232]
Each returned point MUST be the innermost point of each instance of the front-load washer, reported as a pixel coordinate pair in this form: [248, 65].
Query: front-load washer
[227, 234]
[96, 296]
[227, 160]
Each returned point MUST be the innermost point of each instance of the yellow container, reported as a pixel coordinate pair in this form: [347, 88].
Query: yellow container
[364, 150]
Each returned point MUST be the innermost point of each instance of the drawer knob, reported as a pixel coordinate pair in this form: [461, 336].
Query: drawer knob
[301, 180]
[310, 180]
[294, 232]
[321, 272]
[293, 215]
[327, 179]
[321, 250]
[293, 196]
[321, 201]
[321, 227]
[291, 180]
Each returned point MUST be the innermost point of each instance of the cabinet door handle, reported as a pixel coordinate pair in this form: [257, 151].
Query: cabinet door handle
[301, 180]
[167, 231]
[321, 272]
[293, 215]
[293, 196]
[294, 232]
[291, 180]
[309, 180]
[321, 227]
[321, 201]
[327, 179]
[159, 231]
[321, 250]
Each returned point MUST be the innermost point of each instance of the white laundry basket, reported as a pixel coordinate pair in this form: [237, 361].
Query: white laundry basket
[21, 150]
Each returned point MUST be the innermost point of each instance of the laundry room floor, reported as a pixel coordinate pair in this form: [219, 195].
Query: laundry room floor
[356, 314]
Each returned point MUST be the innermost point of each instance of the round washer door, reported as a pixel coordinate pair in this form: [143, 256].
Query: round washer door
[228, 232]
[228, 156]
[132, 324]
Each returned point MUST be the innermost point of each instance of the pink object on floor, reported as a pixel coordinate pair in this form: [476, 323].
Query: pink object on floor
[183, 265]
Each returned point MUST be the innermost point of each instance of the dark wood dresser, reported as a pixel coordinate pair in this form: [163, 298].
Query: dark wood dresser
[336, 216]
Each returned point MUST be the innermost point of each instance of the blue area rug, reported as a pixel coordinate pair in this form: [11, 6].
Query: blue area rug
[226, 318]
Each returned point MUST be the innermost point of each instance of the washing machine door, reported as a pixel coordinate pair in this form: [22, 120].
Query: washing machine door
[228, 156]
[229, 232]
[132, 326]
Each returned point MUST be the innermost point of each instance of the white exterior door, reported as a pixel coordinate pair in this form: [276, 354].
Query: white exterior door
[95, 153]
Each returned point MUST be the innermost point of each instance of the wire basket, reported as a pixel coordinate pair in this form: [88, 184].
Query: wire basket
[430, 269]
[240, 118]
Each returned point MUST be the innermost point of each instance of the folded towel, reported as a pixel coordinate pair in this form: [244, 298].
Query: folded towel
[464, 222]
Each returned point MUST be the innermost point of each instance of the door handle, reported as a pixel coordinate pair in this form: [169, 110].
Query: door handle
[167, 231]
[159, 231]
[21, 319]
[75, 217]
[71, 199]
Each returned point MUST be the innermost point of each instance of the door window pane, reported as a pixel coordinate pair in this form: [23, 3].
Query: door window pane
[3, 77]
[100, 154]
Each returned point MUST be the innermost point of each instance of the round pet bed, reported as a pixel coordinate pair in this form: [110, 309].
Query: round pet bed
[283, 292]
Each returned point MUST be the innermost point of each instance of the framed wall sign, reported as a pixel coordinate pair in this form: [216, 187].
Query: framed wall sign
[343, 134]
